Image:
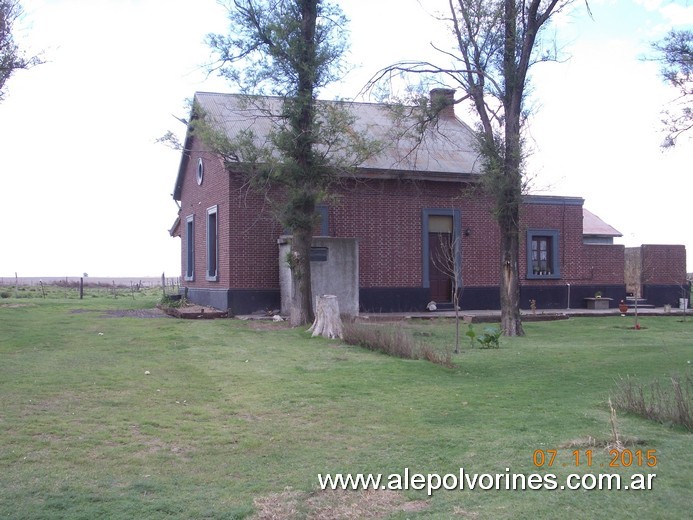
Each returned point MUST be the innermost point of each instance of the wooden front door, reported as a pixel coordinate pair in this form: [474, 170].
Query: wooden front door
[439, 247]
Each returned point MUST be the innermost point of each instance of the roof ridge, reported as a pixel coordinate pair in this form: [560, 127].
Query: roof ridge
[350, 101]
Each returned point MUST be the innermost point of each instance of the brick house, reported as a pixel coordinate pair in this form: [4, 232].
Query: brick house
[401, 207]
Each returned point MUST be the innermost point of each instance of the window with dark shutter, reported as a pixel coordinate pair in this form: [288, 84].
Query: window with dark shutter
[542, 254]
[212, 244]
[190, 248]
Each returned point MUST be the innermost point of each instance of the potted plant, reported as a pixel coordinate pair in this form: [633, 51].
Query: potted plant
[598, 294]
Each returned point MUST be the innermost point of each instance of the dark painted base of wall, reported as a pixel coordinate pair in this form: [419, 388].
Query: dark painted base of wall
[393, 299]
[412, 299]
[660, 295]
[236, 301]
[415, 299]
[569, 297]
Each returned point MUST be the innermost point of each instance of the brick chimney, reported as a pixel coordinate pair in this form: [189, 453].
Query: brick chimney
[443, 100]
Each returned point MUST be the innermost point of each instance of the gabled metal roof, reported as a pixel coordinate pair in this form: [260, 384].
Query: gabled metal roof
[592, 225]
[447, 150]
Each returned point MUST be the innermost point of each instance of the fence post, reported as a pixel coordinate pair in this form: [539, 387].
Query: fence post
[81, 288]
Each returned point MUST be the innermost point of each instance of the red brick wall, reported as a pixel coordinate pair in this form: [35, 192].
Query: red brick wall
[194, 201]
[386, 217]
[247, 232]
[663, 264]
[579, 263]
[564, 218]
[602, 264]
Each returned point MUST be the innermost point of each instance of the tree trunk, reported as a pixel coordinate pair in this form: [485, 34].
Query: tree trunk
[510, 189]
[456, 303]
[327, 321]
[302, 110]
[509, 224]
[511, 322]
[301, 297]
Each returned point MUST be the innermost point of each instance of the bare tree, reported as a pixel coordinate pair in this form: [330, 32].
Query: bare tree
[11, 58]
[675, 55]
[496, 43]
[447, 261]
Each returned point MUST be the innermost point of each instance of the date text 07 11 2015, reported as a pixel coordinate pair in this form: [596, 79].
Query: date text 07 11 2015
[618, 458]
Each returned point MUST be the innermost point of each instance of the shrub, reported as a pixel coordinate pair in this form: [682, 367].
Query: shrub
[172, 301]
[5, 294]
[658, 403]
[393, 341]
[490, 338]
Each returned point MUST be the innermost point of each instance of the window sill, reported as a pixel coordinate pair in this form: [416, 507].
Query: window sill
[543, 276]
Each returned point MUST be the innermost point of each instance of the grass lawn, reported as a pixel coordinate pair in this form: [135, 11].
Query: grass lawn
[237, 419]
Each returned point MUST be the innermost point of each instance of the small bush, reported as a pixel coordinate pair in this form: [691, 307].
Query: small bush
[393, 341]
[490, 338]
[5, 294]
[172, 301]
[658, 403]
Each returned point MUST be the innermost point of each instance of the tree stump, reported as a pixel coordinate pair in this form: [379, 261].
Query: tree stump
[327, 322]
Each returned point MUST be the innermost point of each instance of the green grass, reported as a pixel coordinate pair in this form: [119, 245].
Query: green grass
[230, 414]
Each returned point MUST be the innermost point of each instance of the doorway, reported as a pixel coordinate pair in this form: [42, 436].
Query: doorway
[441, 257]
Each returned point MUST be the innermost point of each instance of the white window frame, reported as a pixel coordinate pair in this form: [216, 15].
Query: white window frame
[212, 245]
[189, 274]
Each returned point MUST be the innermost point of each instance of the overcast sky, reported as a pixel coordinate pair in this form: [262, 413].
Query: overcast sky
[85, 187]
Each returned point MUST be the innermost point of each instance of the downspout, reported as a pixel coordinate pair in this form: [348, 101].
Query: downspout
[568, 296]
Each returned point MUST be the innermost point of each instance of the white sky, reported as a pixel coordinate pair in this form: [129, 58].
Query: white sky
[85, 188]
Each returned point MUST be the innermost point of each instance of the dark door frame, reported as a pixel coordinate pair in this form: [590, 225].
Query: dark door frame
[425, 246]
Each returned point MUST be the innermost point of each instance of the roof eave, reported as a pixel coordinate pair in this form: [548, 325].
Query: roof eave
[602, 235]
[185, 157]
[418, 175]
[175, 228]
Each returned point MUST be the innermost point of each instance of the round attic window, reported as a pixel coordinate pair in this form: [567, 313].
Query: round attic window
[200, 171]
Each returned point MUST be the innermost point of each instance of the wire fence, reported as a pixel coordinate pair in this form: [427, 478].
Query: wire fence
[78, 287]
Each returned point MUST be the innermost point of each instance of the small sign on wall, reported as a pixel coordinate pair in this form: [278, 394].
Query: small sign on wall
[318, 254]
